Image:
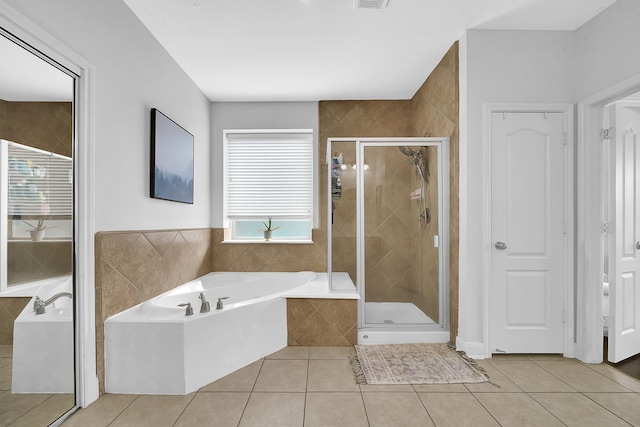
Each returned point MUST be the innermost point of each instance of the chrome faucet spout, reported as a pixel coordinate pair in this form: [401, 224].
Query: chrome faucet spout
[39, 305]
[205, 307]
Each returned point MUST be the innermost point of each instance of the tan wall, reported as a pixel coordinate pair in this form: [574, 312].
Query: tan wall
[48, 126]
[134, 266]
[44, 125]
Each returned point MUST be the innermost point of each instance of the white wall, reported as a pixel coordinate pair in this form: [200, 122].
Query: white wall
[607, 49]
[497, 67]
[133, 74]
[527, 67]
[253, 115]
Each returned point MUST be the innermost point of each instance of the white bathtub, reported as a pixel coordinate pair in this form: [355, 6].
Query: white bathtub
[43, 343]
[154, 348]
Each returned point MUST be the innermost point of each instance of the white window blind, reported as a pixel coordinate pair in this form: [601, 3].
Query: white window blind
[269, 173]
[40, 183]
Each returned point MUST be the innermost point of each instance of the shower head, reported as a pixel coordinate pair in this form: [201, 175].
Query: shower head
[406, 151]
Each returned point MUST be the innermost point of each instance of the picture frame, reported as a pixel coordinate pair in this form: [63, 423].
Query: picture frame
[172, 160]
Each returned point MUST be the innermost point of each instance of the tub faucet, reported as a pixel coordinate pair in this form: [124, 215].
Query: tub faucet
[220, 305]
[39, 304]
[205, 307]
[189, 309]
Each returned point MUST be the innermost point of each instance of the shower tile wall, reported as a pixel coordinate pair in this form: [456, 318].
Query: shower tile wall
[134, 266]
[435, 113]
[48, 126]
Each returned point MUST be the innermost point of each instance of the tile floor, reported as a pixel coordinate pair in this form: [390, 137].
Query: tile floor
[302, 386]
[32, 410]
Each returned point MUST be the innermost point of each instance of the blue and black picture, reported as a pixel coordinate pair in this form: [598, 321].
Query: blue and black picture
[171, 160]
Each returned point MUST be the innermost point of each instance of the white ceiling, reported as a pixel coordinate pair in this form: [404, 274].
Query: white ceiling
[294, 50]
[308, 50]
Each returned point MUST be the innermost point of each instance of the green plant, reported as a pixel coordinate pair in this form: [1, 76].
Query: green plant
[40, 225]
[268, 226]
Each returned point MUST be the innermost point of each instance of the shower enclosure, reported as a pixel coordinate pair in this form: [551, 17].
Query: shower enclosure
[388, 213]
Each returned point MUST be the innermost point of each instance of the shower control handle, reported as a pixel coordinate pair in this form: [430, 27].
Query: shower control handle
[501, 246]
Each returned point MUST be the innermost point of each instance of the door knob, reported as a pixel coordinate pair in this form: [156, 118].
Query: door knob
[501, 246]
[638, 245]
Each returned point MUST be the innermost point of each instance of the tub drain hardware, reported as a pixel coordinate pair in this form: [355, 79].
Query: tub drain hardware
[189, 310]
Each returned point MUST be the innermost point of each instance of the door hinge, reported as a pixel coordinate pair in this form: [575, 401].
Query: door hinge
[609, 133]
[564, 316]
[564, 227]
[564, 138]
[608, 227]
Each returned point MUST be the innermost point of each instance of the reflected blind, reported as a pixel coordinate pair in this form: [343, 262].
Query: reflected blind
[40, 183]
[269, 174]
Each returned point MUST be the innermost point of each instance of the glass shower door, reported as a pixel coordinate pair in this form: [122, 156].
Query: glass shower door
[400, 234]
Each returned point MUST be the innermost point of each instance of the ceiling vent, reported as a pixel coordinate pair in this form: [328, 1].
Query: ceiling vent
[371, 4]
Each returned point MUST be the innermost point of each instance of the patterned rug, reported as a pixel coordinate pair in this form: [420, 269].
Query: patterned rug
[414, 364]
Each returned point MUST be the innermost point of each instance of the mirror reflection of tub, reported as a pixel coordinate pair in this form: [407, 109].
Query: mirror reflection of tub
[43, 343]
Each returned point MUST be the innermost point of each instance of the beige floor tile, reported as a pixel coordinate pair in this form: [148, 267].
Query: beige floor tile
[456, 410]
[508, 357]
[335, 409]
[531, 377]
[580, 377]
[283, 375]
[536, 357]
[395, 409]
[6, 350]
[220, 409]
[5, 377]
[274, 409]
[440, 388]
[331, 375]
[575, 409]
[291, 352]
[624, 405]
[47, 412]
[101, 412]
[150, 410]
[616, 375]
[331, 352]
[241, 380]
[383, 388]
[13, 406]
[498, 382]
[517, 410]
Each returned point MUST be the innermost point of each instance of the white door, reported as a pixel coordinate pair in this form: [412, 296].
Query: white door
[624, 237]
[527, 228]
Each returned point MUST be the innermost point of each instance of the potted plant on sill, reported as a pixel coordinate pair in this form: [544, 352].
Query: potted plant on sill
[37, 234]
[269, 228]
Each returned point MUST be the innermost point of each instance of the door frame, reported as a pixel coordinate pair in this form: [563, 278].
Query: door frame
[84, 293]
[589, 254]
[569, 290]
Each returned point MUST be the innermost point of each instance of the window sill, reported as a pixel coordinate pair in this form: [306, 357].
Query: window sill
[276, 242]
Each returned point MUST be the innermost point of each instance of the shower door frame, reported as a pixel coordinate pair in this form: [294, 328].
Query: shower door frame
[442, 144]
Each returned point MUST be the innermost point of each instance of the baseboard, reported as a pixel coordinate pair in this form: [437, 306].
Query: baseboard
[475, 350]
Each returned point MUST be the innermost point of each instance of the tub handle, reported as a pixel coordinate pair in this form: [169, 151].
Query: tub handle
[189, 310]
[220, 305]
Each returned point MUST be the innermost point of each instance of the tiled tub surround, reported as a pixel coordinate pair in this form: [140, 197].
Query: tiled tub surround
[134, 266]
[191, 348]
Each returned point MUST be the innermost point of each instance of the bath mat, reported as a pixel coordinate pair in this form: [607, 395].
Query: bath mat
[414, 364]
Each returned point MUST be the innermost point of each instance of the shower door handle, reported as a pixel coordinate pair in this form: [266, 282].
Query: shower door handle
[501, 246]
